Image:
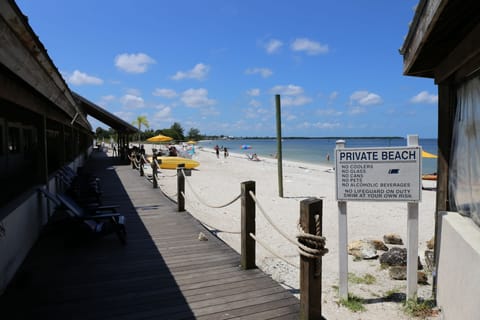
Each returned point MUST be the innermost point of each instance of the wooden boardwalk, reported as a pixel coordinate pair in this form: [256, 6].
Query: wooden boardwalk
[164, 272]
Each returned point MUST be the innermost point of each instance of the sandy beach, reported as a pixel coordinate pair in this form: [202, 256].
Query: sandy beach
[217, 182]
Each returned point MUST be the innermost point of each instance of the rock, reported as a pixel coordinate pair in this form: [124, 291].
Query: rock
[362, 249]
[392, 238]
[202, 237]
[379, 245]
[422, 277]
[397, 257]
[431, 243]
[398, 272]
[394, 257]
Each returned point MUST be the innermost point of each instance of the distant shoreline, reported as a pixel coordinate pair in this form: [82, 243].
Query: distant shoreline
[323, 138]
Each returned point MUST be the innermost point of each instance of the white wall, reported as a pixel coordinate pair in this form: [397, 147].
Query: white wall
[458, 281]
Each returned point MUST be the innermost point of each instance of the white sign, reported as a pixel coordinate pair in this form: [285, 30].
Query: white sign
[378, 174]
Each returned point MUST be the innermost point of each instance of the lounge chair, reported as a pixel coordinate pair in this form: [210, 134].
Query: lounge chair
[99, 220]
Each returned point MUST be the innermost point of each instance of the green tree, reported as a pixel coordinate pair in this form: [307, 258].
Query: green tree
[178, 131]
[194, 134]
[141, 120]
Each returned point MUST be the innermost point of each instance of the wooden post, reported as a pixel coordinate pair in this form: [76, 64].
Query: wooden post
[279, 146]
[248, 226]
[412, 238]
[342, 242]
[142, 162]
[155, 166]
[180, 188]
[311, 269]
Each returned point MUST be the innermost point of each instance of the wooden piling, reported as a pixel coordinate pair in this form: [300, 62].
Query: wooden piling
[180, 188]
[311, 268]
[248, 225]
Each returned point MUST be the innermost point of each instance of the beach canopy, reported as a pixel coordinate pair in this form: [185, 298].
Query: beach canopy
[246, 146]
[191, 142]
[159, 138]
[429, 155]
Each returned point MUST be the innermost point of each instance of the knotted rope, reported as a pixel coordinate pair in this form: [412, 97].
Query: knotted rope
[304, 244]
[311, 245]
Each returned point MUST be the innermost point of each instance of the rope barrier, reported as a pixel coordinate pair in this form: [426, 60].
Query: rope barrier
[266, 247]
[304, 240]
[206, 204]
[309, 245]
[286, 236]
[210, 226]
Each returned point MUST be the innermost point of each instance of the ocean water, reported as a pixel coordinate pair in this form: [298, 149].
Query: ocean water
[318, 151]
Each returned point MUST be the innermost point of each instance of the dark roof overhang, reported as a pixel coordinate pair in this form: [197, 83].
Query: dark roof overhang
[24, 55]
[103, 115]
[437, 29]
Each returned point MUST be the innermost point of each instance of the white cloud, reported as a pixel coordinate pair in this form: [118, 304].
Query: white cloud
[79, 78]
[198, 72]
[329, 112]
[165, 93]
[133, 63]
[288, 90]
[254, 103]
[255, 92]
[424, 97]
[105, 100]
[273, 46]
[295, 101]
[264, 72]
[164, 114]
[356, 110]
[318, 125]
[195, 98]
[365, 98]
[290, 117]
[131, 101]
[309, 46]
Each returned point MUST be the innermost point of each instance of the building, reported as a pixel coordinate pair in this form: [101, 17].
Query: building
[43, 126]
[443, 43]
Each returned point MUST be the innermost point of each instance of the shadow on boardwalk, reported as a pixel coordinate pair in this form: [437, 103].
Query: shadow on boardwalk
[164, 271]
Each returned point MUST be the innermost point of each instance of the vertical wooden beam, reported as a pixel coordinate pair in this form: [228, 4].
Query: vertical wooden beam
[279, 145]
[311, 269]
[180, 188]
[446, 116]
[248, 226]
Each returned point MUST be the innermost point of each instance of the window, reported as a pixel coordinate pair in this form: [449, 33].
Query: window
[13, 140]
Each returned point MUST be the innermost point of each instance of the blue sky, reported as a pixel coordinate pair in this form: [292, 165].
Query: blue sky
[216, 65]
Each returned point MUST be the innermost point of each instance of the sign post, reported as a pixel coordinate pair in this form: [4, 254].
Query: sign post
[342, 240]
[412, 239]
[379, 174]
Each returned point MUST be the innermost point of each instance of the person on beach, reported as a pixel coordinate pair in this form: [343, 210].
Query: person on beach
[217, 151]
[172, 151]
[328, 157]
[225, 152]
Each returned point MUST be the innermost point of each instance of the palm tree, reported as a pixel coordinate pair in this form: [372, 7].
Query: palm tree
[138, 123]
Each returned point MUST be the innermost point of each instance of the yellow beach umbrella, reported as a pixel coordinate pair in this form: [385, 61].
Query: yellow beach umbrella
[159, 138]
[191, 142]
[426, 154]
